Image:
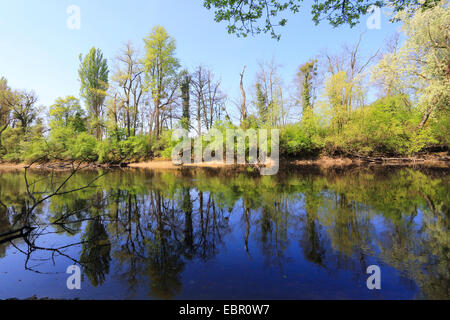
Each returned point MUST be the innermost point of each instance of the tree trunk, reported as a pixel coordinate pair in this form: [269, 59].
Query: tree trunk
[157, 118]
[244, 98]
[425, 117]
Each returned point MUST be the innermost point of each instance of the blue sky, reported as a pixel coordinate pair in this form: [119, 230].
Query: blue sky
[39, 52]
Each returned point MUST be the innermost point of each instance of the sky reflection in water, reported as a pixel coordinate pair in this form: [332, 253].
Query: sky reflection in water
[208, 234]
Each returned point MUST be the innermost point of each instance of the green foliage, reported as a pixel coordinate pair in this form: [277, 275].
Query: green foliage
[385, 127]
[134, 148]
[261, 104]
[412, 117]
[83, 147]
[67, 112]
[251, 122]
[255, 17]
[131, 149]
[24, 146]
[11, 140]
[164, 145]
[305, 137]
[93, 74]
[307, 73]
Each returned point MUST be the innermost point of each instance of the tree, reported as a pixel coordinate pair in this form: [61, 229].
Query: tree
[339, 92]
[253, 17]
[198, 94]
[207, 97]
[160, 67]
[93, 74]
[306, 76]
[244, 98]
[422, 65]
[67, 112]
[8, 99]
[24, 111]
[129, 87]
[185, 96]
[345, 77]
[261, 103]
[271, 87]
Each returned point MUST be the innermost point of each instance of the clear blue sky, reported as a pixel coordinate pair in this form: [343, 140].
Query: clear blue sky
[39, 52]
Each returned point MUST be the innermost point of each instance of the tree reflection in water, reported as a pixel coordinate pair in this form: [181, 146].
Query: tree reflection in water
[148, 227]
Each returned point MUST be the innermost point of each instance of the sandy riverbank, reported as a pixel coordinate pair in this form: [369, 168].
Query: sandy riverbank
[440, 161]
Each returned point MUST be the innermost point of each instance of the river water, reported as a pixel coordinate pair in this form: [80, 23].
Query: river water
[215, 234]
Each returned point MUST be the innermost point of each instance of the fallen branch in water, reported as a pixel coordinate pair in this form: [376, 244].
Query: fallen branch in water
[15, 234]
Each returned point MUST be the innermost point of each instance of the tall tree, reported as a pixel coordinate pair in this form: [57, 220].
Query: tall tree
[345, 80]
[272, 89]
[25, 110]
[207, 97]
[160, 67]
[128, 81]
[422, 65]
[185, 96]
[67, 112]
[93, 74]
[8, 99]
[306, 75]
[244, 97]
[198, 94]
[261, 102]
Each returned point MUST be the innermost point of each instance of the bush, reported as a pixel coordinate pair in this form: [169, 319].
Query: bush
[134, 148]
[11, 142]
[83, 147]
[387, 127]
[302, 138]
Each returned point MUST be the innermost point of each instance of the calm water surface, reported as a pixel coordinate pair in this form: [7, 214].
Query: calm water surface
[308, 234]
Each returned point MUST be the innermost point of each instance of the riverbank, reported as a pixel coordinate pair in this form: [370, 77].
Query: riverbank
[440, 160]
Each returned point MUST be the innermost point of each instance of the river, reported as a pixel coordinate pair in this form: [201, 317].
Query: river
[309, 233]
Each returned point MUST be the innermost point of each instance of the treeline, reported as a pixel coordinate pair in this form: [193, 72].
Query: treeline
[130, 107]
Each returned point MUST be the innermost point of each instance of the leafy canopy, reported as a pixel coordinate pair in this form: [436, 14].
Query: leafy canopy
[252, 17]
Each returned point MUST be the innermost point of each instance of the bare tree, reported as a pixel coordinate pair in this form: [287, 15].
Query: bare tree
[271, 88]
[128, 91]
[206, 97]
[353, 64]
[244, 98]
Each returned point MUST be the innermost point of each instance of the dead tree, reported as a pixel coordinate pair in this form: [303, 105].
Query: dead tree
[244, 98]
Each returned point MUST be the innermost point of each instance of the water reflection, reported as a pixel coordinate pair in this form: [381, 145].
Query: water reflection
[150, 229]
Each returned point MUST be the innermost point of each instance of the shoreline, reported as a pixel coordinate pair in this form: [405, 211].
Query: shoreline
[429, 161]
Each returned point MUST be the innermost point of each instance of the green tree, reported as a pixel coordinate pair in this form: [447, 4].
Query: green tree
[128, 81]
[24, 111]
[93, 74]
[252, 17]
[339, 92]
[7, 101]
[185, 96]
[261, 103]
[428, 77]
[67, 112]
[160, 67]
[306, 75]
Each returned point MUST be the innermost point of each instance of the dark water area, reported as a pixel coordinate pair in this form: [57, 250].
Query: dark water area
[208, 234]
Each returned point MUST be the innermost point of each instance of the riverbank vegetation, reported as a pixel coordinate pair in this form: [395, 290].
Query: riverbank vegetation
[392, 103]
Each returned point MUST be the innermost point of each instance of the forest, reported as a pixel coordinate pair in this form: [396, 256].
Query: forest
[129, 106]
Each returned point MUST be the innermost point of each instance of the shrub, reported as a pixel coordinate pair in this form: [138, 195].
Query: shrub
[386, 127]
[83, 147]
